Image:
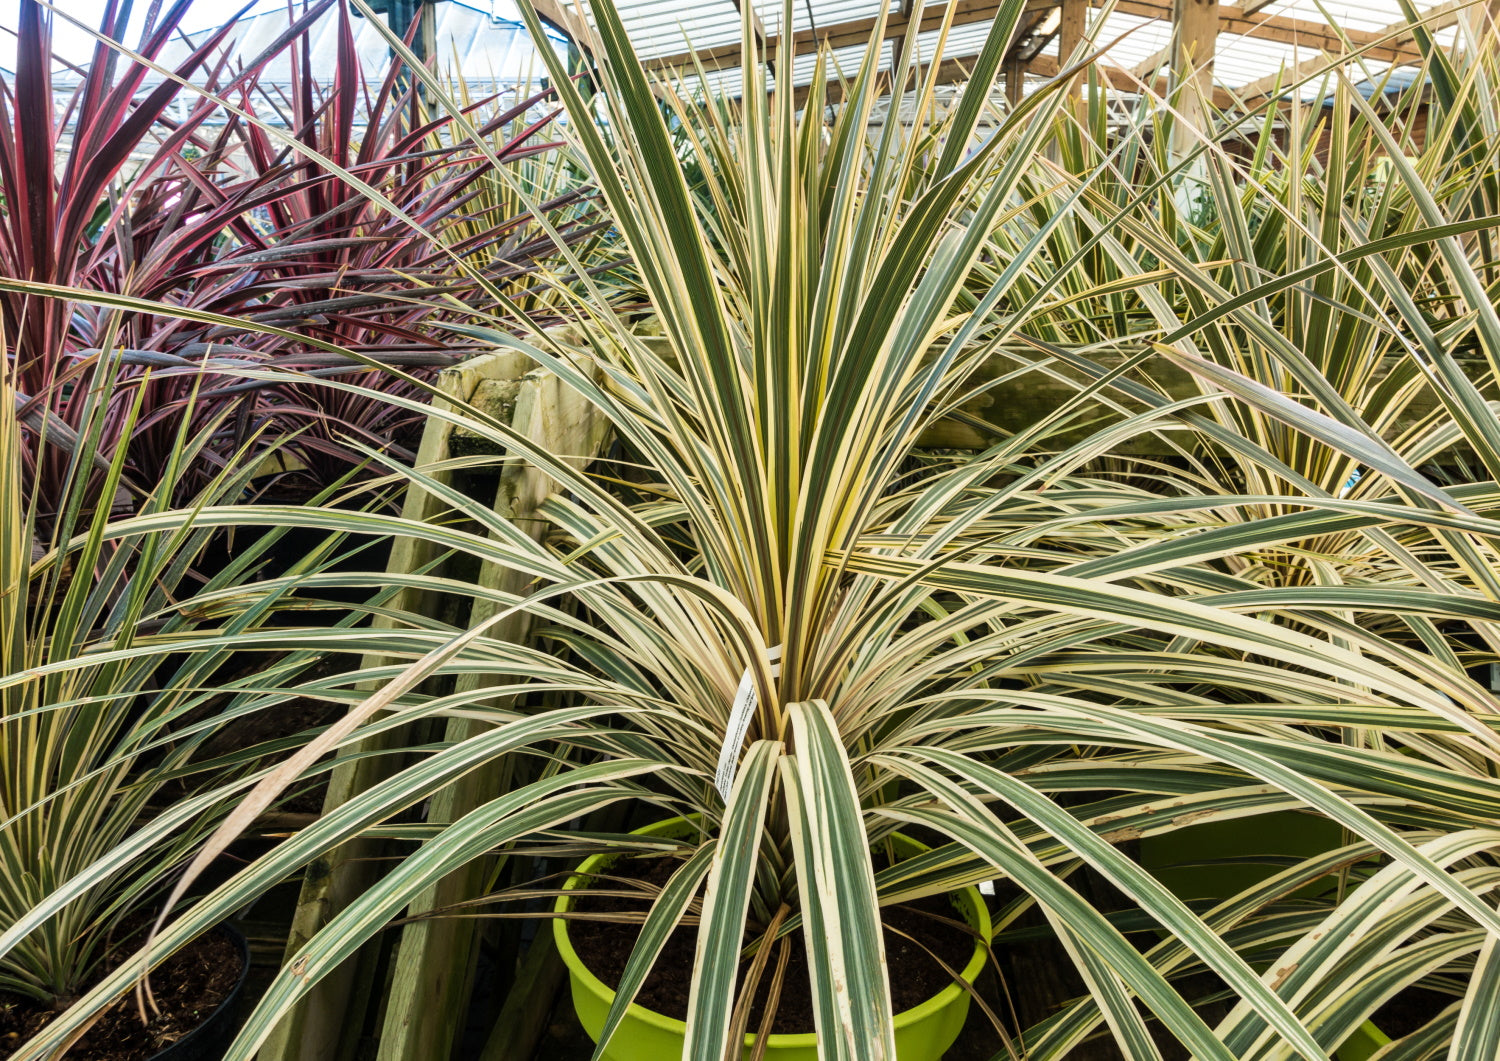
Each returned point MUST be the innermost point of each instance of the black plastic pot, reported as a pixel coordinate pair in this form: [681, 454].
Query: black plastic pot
[209, 1040]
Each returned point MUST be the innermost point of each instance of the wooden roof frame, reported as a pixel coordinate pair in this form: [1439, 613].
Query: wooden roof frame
[1189, 57]
[1245, 21]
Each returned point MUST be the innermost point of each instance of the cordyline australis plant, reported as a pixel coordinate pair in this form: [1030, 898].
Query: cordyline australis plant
[205, 210]
[1376, 332]
[297, 246]
[116, 136]
[1030, 662]
[108, 777]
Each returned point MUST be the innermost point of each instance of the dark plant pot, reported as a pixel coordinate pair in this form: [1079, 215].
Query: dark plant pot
[1214, 860]
[209, 1040]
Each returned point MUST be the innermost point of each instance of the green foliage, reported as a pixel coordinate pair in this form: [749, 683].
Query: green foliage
[108, 779]
[1034, 654]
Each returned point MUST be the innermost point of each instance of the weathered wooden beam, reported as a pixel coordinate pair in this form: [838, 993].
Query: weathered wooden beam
[1479, 22]
[326, 1024]
[1033, 31]
[433, 974]
[1283, 30]
[1397, 33]
[1014, 73]
[1070, 29]
[1122, 79]
[756, 25]
[564, 16]
[1256, 90]
[523, 1018]
[1034, 47]
[845, 34]
[1190, 70]
[1152, 64]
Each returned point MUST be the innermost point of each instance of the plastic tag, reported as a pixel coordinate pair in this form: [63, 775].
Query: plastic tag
[739, 722]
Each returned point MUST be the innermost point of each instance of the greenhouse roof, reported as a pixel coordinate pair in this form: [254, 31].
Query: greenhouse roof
[1256, 48]
[1256, 43]
[483, 40]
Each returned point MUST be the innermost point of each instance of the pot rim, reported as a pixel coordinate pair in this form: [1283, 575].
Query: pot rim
[205, 1027]
[947, 996]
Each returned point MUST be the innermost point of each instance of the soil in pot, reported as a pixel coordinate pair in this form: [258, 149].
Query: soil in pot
[916, 935]
[188, 987]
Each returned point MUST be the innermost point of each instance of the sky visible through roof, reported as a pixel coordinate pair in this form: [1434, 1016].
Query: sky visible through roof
[663, 27]
[76, 46]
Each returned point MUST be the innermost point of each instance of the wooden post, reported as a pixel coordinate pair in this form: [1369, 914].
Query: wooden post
[327, 1024]
[1069, 34]
[1195, 28]
[1482, 20]
[523, 1018]
[427, 34]
[1014, 72]
[430, 986]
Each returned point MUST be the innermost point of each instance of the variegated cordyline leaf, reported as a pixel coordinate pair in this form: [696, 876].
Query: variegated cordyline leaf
[726, 903]
[841, 926]
[1040, 649]
[664, 917]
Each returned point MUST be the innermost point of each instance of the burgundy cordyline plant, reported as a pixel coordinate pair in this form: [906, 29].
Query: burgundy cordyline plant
[219, 197]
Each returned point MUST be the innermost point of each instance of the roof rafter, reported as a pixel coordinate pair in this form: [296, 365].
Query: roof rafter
[956, 70]
[1122, 79]
[1281, 29]
[1440, 17]
[845, 34]
[564, 16]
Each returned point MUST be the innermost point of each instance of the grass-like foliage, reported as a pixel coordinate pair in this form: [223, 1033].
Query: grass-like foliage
[184, 181]
[1028, 654]
[113, 682]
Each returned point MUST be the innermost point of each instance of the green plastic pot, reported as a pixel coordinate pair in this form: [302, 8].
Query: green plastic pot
[923, 1033]
[1192, 863]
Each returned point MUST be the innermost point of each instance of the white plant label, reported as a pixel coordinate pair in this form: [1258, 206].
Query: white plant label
[739, 722]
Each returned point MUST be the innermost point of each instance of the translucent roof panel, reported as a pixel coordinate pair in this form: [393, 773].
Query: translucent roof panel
[482, 41]
[962, 40]
[667, 27]
[1131, 39]
[1293, 32]
[479, 43]
[820, 13]
[1239, 60]
[1367, 15]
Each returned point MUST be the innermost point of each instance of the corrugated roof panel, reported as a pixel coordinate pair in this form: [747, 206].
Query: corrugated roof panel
[962, 40]
[667, 27]
[1130, 40]
[1240, 59]
[661, 27]
[843, 62]
[470, 40]
[1368, 15]
[488, 44]
[807, 14]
